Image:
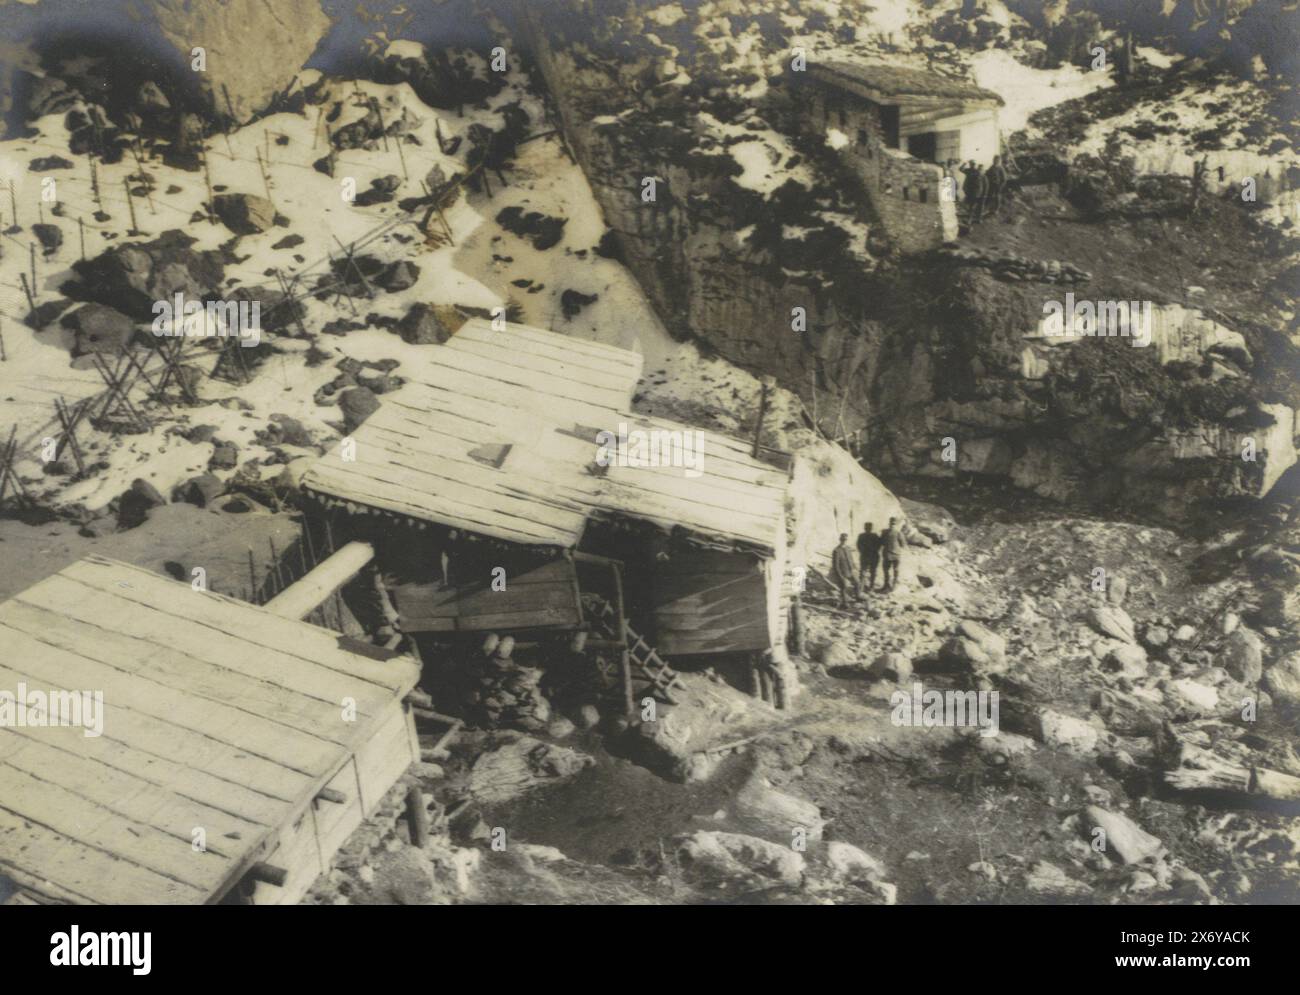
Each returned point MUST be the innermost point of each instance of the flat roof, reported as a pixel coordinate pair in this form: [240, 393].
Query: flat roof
[497, 434]
[217, 714]
[894, 84]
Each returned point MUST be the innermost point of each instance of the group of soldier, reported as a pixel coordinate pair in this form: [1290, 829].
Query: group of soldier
[981, 190]
[874, 549]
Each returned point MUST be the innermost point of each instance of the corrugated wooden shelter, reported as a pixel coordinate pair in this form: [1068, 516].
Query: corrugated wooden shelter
[264, 737]
[500, 435]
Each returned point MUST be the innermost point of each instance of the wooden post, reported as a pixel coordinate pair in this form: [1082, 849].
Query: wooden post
[417, 817]
[31, 258]
[31, 302]
[266, 180]
[798, 645]
[94, 184]
[252, 577]
[269, 874]
[81, 230]
[383, 132]
[130, 203]
[768, 383]
[625, 655]
[207, 180]
[316, 586]
[144, 177]
[3, 357]
[402, 156]
[275, 566]
[13, 202]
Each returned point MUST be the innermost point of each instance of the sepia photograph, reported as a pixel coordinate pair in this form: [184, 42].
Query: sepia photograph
[650, 452]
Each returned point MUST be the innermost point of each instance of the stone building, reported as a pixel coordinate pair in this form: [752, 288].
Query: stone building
[892, 126]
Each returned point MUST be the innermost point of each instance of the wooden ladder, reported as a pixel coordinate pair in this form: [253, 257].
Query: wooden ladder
[648, 667]
[652, 669]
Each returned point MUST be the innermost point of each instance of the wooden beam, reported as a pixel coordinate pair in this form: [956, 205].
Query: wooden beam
[311, 591]
[269, 874]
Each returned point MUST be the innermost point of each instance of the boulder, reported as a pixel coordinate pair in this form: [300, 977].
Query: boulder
[255, 50]
[136, 502]
[733, 858]
[1192, 697]
[132, 277]
[244, 213]
[1155, 637]
[1283, 680]
[1112, 620]
[896, 667]
[1067, 732]
[288, 431]
[422, 326]
[1127, 659]
[975, 647]
[774, 813]
[99, 328]
[518, 764]
[398, 276]
[837, 653]
[930, 520]
[1125, 839]
[225, 455]
[50, 236]
[1116, 589]
[848, 863]
[201, 490]
[1044, 878]
[1243, 656]
[357, 404]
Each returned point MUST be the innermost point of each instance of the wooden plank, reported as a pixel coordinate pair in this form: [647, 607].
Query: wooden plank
[335, 823]
[301, 752]
[179, 671]
[524, 354]
[382, 491]
[137, 799]
[298, 852]
[309, 591]
[260, 629]
[84, 872]
[526, 351]
[205, 789]
[203, 754]
[384, 757]
[482, 330]
[87, 826]
[536, 384]
[458, 477]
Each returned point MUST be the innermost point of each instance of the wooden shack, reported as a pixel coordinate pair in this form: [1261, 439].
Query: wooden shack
[506, 453]
[237, 747]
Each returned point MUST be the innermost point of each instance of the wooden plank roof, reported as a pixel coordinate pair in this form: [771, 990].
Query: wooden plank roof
[216, 715]
[496, 435]
[886, 84]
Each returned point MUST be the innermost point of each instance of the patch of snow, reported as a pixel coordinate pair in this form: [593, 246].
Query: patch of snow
[1027, 90]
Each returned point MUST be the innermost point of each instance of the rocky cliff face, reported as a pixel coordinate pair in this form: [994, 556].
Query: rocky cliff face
[754, 239]
[230, 58]
[934, 364]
